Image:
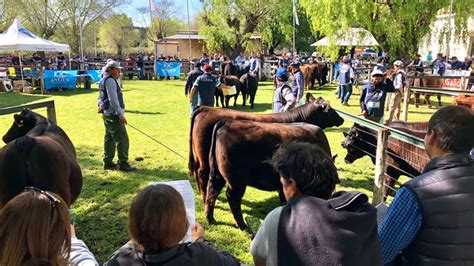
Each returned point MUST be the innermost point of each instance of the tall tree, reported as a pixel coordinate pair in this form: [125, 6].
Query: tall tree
[398, 25]
[229, 24]
[117, 34]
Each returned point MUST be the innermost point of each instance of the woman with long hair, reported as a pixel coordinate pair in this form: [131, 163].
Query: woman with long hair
[35, 229]
[157, 224]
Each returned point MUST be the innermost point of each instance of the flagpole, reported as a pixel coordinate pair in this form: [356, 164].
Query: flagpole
[294, 26]
[189, 31]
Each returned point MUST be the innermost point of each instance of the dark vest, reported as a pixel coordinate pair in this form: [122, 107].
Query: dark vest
[105, 97]
[445, 192]
[344, 74]
[338, 231]
[279, 101]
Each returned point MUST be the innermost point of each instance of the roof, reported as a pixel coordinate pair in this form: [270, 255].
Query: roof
[352, 37]
[194, 35]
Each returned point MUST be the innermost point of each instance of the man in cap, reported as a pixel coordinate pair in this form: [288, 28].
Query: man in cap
[372, 98]
[254, 64]
[399, 83]
[192, 76]
[284, 98]
[111, 105]
[204, 87]
[297, 82]
[439, 66]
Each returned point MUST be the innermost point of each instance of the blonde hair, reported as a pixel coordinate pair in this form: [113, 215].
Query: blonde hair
[35, 230]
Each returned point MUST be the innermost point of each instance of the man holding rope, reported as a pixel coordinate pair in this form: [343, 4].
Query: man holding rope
[111, 105]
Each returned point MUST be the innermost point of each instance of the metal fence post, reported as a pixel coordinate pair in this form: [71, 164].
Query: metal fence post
[51, 112]
[406, 101]
[380, 166]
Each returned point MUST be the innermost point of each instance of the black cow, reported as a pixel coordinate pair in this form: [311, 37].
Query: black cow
[40, 154]
[249, 87]
[402, 158]
[238, 156]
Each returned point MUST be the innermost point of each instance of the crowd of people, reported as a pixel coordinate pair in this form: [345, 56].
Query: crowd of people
[429, 221]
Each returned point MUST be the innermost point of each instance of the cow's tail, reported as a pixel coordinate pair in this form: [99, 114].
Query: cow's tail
[15, 167]
[214, 171]
[191, 161]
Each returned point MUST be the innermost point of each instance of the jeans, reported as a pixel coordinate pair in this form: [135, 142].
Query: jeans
[193, 105]
[345, 92]
[115, 137]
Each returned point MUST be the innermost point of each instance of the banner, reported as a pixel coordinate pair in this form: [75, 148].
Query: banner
[94, 74]
[455, 83]
[168, 69]
[66, 79]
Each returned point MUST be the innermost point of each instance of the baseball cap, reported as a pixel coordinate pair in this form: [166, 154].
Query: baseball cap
[281, 72]
[398, 63]
[207, 68]
[112, 64]
[376, 72]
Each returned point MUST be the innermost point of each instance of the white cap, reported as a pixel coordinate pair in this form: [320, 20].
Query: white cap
[398, 63]
[376, 72]
[112, 64]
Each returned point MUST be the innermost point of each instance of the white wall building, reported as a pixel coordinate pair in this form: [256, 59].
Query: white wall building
[459, 47]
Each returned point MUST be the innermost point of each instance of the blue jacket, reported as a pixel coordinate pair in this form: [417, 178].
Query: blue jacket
[372, 98]
[206, 88]
[297, 85]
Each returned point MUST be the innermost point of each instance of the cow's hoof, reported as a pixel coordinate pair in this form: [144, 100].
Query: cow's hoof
[211, 220]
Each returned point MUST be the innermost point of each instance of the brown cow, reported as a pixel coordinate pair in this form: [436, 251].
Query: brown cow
[465, 100]
[436, 83]
[204, 118]
[310, 75]
[238, 157]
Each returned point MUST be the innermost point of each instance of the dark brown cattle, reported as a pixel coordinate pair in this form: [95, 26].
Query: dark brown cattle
[428, 83]
[231, 81]
[249, 87]
[40, 154]
[204, 118]
[402, 158]
[238, 157]
[465, 100]
[310, 73]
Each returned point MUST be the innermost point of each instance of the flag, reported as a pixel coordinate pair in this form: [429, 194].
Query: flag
[295, 14]
[154, 8]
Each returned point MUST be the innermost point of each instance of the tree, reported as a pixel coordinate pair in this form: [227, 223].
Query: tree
[397, 25]
[117, 34]
[229, 24]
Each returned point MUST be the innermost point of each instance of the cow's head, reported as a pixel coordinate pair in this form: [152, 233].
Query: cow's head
[354, 143]
[22, 124]
[322, 114]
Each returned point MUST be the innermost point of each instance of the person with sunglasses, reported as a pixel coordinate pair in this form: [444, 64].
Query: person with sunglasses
[35, 229]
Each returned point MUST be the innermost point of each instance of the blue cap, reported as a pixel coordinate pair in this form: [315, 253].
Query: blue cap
[295, 63]
[281, 72]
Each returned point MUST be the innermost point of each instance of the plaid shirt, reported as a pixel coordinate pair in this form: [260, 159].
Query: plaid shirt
[400, 225]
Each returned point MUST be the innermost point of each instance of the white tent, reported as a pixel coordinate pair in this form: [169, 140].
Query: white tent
[353, 37]
[18, 38]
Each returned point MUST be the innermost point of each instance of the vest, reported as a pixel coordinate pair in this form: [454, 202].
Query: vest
[344, 74]
[445, 192]
[279, 101]
[206, 89]
[404, 78]
[298, 76]
[104, 97]
[338, 231]
[253, 64]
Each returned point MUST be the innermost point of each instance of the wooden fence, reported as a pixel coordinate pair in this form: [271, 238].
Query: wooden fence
[49, 105]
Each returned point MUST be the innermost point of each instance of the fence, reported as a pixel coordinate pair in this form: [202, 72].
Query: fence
[383, 133]
[50, 109]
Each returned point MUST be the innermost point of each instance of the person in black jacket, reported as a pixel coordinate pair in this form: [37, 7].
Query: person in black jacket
[157, 223]
[430, 220]
[192, 76]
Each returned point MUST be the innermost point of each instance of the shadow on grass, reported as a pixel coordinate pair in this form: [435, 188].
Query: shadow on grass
[258, 107]
[69, 93]
[8, 99]
[143, 112]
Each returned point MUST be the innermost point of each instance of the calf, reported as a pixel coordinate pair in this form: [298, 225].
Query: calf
[238, 156]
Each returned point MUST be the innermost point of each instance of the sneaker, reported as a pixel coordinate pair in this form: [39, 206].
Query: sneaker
[126, 167]
[110, 166]
[345, 104]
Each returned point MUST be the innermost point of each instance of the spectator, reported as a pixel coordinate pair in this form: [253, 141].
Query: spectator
[284, 98]
[240, 60]
[162, 57]
[455, 63]
[140, 66]
[467, 63]
[35, 229]
[429, 57]
[380, 65]
[297, 83]
[283, 61]
[439, 65]
[430, 220]
[61, 59]
[417, 64]
[254, 64]
[372, 98]
[399, 84]
[216, 64]
[157, 223]
[204, 87]
[316, 227]
[192, 76]
[345, 76]
[205, 60]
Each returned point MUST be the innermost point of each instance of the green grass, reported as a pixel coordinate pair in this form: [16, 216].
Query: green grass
[161, 109]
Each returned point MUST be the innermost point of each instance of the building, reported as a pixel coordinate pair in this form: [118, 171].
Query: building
[437, 40]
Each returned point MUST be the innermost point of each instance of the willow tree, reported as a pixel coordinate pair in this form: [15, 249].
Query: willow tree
[229, 24]
[398, 25]
[117, 34]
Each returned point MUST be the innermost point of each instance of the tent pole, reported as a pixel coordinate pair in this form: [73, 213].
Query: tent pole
[21, 73]
[69, 54]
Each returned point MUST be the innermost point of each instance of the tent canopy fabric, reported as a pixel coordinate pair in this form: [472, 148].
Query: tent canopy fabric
[353, 37]
[18, 38]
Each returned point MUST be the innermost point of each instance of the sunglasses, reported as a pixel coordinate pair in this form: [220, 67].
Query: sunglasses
[50, 196]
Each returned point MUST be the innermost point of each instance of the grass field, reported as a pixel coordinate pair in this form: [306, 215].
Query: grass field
[161, 109]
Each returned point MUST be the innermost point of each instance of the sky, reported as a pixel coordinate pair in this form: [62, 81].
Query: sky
[144, 19]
